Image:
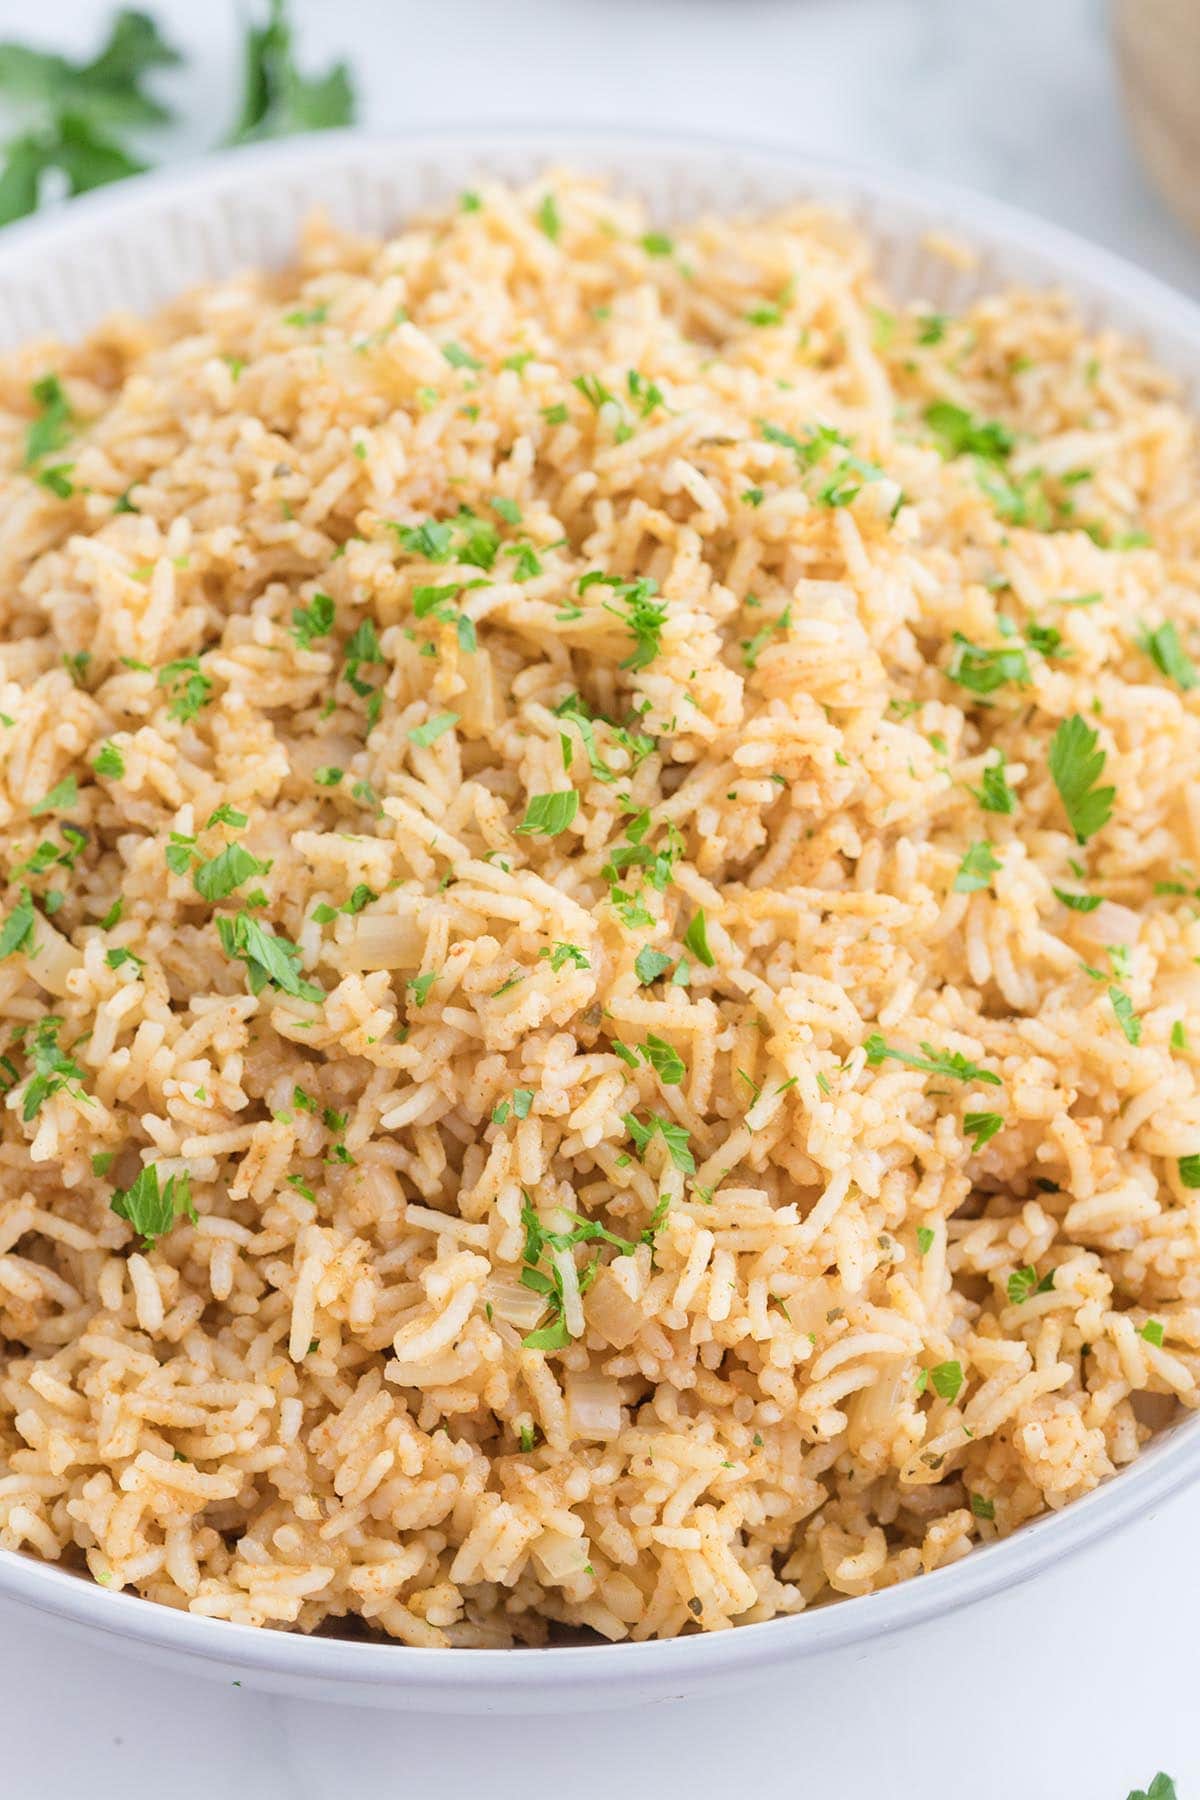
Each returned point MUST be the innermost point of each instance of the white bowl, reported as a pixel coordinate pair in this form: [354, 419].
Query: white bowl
[136, 246]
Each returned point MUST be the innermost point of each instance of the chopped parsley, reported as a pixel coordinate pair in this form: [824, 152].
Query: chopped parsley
[1127, 1019]
[421, 984]
[976, 869]
[52, 426]
[522, 1101]
[62, 796]
[675, 1137]
[153, 1210]
[189, 688]
[312, 621]
[1152, 1331]
[753, 646]
[432, 729]
[548, 814]
[959, 433]
[695, 939]
[549, 219]
[1076, 766]
[54, 1071]
[1189, 1170]
[982, 1127]
[947, 1379]
[982, 670]
[562, 954]
[458, 358]
[664, 1059]
[270, 960]
[1024, 1282]
[650, 964]
[1166, 652]
[109, 762]
[217, 878]
[639, 607]
[57, 480]
[1080, 903]
[950, 1063]
[121, 957]
[995, 795]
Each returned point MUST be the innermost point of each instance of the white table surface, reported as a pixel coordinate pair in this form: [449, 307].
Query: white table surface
[1077, 1687]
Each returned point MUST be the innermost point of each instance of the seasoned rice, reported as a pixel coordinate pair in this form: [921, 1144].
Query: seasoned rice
[549, 1077]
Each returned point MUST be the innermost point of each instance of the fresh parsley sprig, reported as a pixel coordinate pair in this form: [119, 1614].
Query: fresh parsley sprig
[1075, 767]
[74, 118]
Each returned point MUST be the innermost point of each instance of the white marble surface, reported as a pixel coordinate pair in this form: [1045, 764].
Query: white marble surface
[1076, 1688]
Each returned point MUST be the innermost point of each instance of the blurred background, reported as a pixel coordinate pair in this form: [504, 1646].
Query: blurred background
[1016, 97]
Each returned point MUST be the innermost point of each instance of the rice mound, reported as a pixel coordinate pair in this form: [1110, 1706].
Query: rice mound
[539, 1099]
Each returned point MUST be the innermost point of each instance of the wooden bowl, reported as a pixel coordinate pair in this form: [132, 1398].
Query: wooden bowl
[1158, 58]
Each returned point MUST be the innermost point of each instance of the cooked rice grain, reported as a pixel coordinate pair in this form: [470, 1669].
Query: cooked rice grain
[309, 549]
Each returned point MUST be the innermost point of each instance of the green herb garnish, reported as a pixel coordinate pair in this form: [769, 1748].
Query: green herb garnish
[1076, 766]
[153, 1210]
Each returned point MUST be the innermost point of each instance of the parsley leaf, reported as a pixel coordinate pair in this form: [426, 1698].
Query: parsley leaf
[432, 729]
[277, 99]
[650, 964]
[637, 605]
[947, 1379]
[548, 814]
[1168, 655]
[109, 762]
[189, 688]
[1076, 766]
[74, 109]
[1080, 903]
[675, 1137]
[216, 879]
[153, 1210]
[950, 1063]
[695, 939]
[53, 1069]
[664, 1059]
[1024, 1282]
[270, 960]
[1127, 1019]
[958, 433]
[983, 670]
[312, 621]
[562, 954]
[1161, 1788]
[548, 218]
[995, 795]
[17, 932]
[976, 869]
[62, 796]
[982, 1126]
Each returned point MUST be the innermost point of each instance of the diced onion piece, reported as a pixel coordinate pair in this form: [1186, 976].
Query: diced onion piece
[1109, 924]
[516, 1305]
[382, 941]
[308, 754]
[593, 1405]
[52, 958]
[558, 1557]
[611, 1312]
